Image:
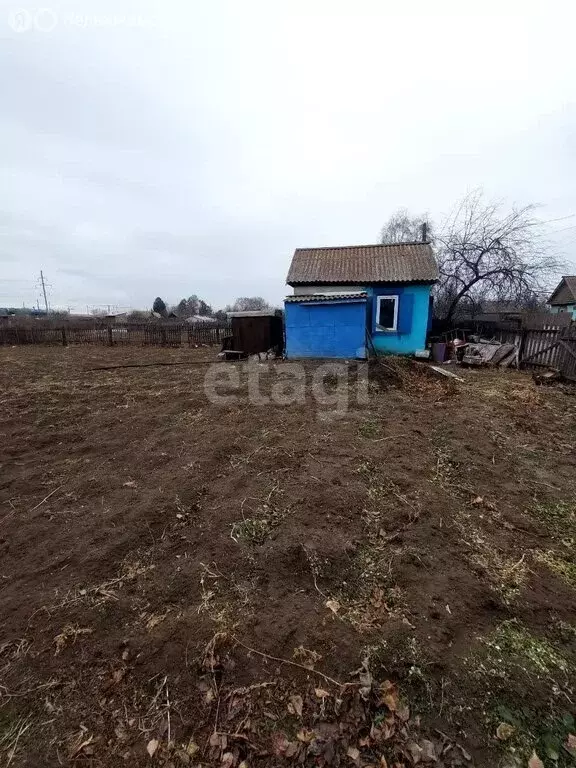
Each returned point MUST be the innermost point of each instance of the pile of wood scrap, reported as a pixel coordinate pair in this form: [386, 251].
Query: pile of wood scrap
[491, 353]
[551, 376]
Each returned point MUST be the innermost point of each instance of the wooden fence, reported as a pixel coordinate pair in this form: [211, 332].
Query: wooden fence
[547, 347]
[164, 335]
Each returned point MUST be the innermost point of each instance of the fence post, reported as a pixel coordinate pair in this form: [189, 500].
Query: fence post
[521, 346]
[110, 338]
[64, 339]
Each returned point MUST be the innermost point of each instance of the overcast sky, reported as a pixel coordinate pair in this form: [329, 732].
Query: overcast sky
[188, 146]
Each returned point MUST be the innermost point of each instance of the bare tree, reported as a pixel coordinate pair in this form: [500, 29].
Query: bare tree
[138, 316]
[401, 227]
[250, 303]
[485, 252]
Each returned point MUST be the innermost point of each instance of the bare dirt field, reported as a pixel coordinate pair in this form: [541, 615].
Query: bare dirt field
[238, 585]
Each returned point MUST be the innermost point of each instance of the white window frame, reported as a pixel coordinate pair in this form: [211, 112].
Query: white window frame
[396, 302]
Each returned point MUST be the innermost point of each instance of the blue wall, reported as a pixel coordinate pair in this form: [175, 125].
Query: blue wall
[328, 329]
[338, 329]
[564, 308]
[413, 313]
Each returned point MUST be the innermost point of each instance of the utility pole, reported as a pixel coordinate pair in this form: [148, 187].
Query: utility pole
[44, 290]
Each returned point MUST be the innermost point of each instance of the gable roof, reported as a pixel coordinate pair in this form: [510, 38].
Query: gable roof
[565, 292]
[360, 264]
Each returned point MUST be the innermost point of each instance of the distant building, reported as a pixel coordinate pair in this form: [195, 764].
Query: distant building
[490, 311]
[22, 312]
[564, 297]
[201, 320]
[117, 317]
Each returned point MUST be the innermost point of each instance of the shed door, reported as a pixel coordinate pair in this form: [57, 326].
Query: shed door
[326, 329]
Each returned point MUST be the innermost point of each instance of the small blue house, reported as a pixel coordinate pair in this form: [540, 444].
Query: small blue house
[351, 300]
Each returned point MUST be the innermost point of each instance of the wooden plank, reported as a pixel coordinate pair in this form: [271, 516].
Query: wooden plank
[541, 351]
[568, 348]
[446, 373]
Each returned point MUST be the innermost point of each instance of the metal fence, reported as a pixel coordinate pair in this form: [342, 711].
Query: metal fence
[144, 334]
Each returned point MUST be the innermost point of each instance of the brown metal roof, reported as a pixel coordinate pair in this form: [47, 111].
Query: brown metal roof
[565, 293]
[360, 264]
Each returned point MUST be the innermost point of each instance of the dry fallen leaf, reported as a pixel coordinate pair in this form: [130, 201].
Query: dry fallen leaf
[214, 740]
[321, 693]
[353, 753]
[292, 749]
[504, 731]
[118, 674]
[192, 748]
[295, 704]
[391, 701]
[414, 751]
[478, 500]
[535, 761]
[428, 751]
[333, 605]
[279, 743]
[403, 712]
[305, 735]
[383, 763]
[155, 619]
[307, 657]
[571, 744]
[227, 760]
[377, 597]
[152, 746]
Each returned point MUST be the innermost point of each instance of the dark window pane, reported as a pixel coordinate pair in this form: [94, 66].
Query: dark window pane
[386, 313]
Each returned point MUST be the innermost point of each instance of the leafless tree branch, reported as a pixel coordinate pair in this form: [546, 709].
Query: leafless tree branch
[484, 251]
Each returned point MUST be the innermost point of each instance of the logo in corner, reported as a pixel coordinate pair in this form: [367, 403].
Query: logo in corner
[45, 19]
[20, 19]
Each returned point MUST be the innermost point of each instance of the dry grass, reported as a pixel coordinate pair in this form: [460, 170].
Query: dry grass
[101, 593]
[11, 734]
[563, 565]
[69, 634]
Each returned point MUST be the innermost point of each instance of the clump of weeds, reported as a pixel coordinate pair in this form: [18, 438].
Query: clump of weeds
[525, 685]
[259, 527]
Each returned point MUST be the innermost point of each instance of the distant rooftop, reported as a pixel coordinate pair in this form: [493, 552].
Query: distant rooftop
[565, 293]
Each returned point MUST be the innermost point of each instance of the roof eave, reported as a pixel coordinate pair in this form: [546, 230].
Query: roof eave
[294, 283]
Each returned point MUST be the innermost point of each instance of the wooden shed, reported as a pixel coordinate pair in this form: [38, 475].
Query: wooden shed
[257, 331]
